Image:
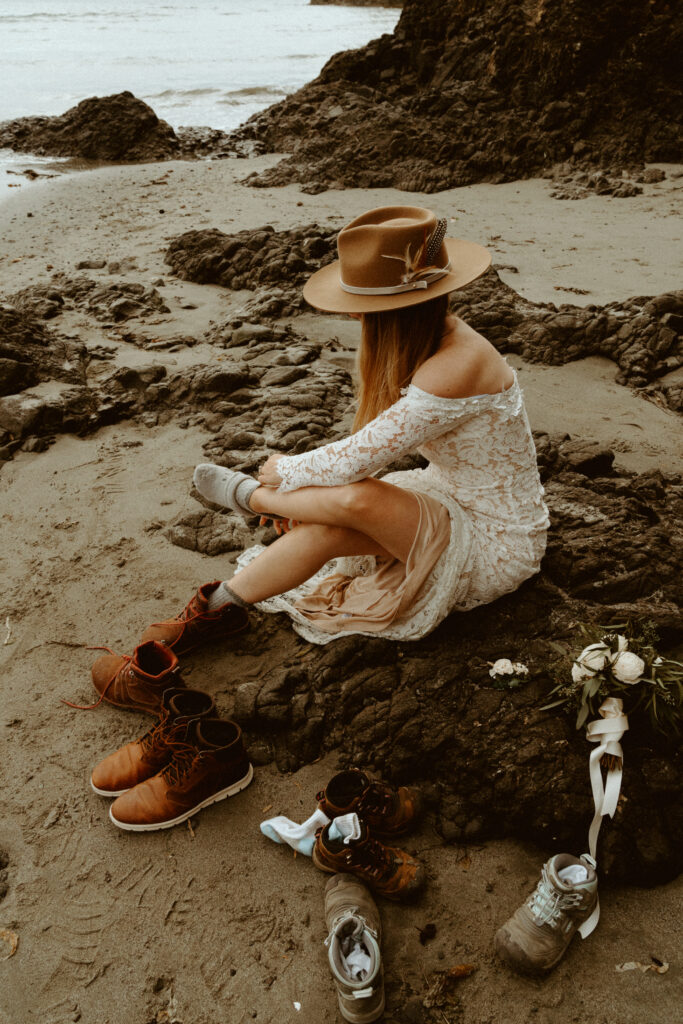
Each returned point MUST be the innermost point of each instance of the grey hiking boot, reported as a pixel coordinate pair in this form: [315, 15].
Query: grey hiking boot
[353, 941]
[565, 901]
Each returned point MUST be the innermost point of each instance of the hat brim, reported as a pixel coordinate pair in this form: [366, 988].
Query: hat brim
[468, 261]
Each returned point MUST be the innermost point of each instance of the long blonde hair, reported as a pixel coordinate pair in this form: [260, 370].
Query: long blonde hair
[393, 345]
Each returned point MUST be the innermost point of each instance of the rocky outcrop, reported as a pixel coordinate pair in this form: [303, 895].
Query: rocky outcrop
[29, 353]
[644, 336]
[307, 396]
[113, 302]
[116, 128]
[468, 91]
[492, 763]
[276, 263]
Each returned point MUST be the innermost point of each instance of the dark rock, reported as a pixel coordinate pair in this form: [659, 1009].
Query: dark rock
[489, 92]
[118, 301]
[210, 533]
[15, 376]
[116, 128]
[277, 261]
[652, 175]
[30, 353]
[91, 264]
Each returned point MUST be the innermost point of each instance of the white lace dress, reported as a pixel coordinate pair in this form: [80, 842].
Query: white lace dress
[482, 468]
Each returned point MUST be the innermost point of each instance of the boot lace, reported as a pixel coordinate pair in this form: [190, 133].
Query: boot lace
[375, 859]
[377, 799]
[548, 905]
[184, 756]
[161, 734]
[126, 665]
[350, 913]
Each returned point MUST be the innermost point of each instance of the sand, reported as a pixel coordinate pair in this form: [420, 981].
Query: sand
[217, 924]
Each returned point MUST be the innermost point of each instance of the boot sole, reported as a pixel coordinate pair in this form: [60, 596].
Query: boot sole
[107, 792]
[223, 794]
[529, 970]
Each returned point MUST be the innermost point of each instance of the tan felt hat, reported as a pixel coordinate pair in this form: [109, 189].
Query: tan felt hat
[391, 257]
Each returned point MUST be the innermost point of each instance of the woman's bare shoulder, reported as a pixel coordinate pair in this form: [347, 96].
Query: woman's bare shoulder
[466, 364]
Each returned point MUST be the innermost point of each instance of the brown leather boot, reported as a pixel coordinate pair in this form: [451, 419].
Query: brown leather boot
[209, 763]
[386, 869]
[146, 756]
[387, 811]
[137, 682]
[195, 625]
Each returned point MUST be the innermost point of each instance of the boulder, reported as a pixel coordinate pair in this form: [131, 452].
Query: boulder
[466, 92]
[115, 128]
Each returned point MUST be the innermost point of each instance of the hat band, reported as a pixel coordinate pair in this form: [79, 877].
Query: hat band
[395, 289]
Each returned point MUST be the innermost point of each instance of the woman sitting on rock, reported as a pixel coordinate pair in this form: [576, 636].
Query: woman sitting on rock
[390, 557]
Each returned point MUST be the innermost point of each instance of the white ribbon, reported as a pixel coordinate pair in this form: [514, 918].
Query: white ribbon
[606, 732]
[395, 289]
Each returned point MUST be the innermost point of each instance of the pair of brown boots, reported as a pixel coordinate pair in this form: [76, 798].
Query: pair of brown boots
[384, 814]
[191, 758]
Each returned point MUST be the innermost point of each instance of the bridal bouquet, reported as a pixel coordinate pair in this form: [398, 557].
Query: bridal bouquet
[623, 662]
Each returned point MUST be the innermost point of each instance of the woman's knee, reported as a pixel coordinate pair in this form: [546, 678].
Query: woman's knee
[359, 500]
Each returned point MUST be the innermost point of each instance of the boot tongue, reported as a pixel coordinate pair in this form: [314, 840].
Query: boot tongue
[153, 659]
[201, 598]
[566, 873]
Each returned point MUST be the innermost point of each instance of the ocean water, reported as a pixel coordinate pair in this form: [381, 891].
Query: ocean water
[196, 62]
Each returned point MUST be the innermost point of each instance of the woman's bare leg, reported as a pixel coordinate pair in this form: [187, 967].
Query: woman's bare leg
[389, 515]
[296, 556]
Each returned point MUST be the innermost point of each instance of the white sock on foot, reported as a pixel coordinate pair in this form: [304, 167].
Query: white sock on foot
[224, 595]
[225, 487]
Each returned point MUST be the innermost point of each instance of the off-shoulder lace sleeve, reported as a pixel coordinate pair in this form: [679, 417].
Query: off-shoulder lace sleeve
[400, 429]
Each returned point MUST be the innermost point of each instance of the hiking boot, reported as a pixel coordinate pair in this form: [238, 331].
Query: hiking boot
[136, 682]
[354, 934]
[146, 756]
[539, 932]
[196, 626]
[387, 811]
[209, 763]
[386, 869]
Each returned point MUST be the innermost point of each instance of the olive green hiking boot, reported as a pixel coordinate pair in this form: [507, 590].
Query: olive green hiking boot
[354, 935]
[565, 901]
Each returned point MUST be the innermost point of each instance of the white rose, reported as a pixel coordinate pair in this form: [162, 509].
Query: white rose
[595, 657]
[519, 669]
[622, 642]
[628, 667]
[502, 667]
[580, 674]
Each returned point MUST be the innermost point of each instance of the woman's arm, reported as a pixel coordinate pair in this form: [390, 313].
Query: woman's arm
[398, 430]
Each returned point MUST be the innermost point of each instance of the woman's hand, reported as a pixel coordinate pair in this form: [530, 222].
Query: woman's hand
[268, 475]
[279, 525]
